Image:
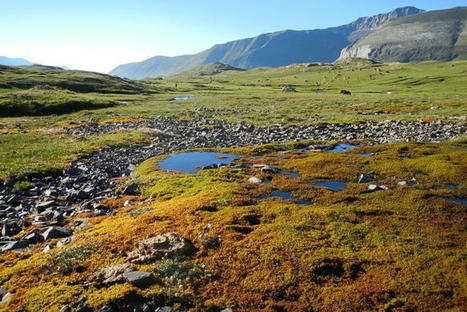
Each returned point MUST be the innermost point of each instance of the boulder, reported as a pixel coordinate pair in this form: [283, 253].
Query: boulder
[55, 232]
[110, 275]
[14, 245]
[365, 178]
[140, 279]
[170, 244]
[254, 180]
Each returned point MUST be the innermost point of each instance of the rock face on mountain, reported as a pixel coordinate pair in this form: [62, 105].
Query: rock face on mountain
[272, 49]
[436, 35]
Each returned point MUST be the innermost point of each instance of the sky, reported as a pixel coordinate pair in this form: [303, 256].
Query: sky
[98, 35]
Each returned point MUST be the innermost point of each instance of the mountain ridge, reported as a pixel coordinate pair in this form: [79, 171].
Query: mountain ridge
[270, 49]
[435, 35]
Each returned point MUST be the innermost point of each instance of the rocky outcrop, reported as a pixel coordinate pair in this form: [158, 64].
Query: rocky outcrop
[166, 245]
[110, 275]
[436, 35]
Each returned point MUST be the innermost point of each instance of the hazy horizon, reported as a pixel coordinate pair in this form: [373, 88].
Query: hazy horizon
[100, 36]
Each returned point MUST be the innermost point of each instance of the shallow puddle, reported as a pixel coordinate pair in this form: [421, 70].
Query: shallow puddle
[366, 154]
[183, 98]
[450, 186]
[341, 147]
[193, 162]
[337, 186]
[286, 196]
[319, 91]
[290, 173]
[454, 200]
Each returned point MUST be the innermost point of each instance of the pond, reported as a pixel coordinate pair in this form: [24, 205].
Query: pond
[337, 186]
[286, 196]
[183, 98]
[454, 200]
[341, 147]
[193, 162]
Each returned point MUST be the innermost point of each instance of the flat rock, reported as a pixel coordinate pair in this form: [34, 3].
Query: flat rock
[14, 245]
[140, 279]
[170, 244]
[55, 232]
[110, 275]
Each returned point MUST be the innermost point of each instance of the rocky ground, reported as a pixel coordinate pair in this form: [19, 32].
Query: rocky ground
[85, 183]
[82, 186]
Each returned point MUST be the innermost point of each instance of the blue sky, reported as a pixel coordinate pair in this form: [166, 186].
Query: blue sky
[99, 34]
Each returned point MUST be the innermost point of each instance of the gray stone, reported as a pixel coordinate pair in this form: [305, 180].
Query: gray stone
[55, 232]
[211, 241]
[140, 279]
[44, 205]
[254, 180]
[106, 308]
[14, 245]
[365, 178]
[5, 299]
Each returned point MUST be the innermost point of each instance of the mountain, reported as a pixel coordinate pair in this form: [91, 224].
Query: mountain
[435, 35]
[13, 61]
[272, 49]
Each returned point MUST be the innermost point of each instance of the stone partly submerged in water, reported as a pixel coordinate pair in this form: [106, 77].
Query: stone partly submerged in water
[166, 245]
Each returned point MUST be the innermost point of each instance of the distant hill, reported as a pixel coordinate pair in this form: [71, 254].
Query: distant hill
[272, 49]
[40, 76]
[13, 61]
[436, 35]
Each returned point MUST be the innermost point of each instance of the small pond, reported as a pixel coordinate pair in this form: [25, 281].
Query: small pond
[337, 186]
[284, 195]
[193, 162]
[319, 91]
[454, 200]
[341, 147]
[183, 98]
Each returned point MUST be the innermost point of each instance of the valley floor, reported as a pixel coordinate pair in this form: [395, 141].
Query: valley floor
[334, 203]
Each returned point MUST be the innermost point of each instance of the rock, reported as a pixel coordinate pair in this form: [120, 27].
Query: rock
[211, 241]
[131, 189]
[10, 229]
[227, 310]
[51, 193]
[47, 248]
[288, 88]
[55, 232]
[254, 180]
[44, 205]
[269, 169]
[164, 309]
[110, 275]
[365, 178]
[14, 245]
[33, 237]
[5, 299]
[106, 308]
[2, 291]
[64, 242]
[166, 245]
[376, 187]
[140, 279]
[65, 308]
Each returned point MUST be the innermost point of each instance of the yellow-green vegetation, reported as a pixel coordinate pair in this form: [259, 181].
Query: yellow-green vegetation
[47, 151]
[401, 249]
[73, 98]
